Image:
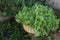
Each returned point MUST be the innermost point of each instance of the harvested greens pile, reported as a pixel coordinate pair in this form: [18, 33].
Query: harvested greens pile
[41, 19]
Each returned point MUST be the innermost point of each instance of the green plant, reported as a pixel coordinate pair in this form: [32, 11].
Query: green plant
[30, 2]
[12, 31]
[41, 19]
[11, 7]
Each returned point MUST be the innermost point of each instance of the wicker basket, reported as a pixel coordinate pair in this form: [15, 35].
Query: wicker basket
[28, 29]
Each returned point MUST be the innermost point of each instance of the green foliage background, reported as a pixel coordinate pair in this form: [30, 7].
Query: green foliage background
[12, 30]
[11, 7]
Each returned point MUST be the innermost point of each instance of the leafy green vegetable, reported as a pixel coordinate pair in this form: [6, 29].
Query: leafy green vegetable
[41, 19]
